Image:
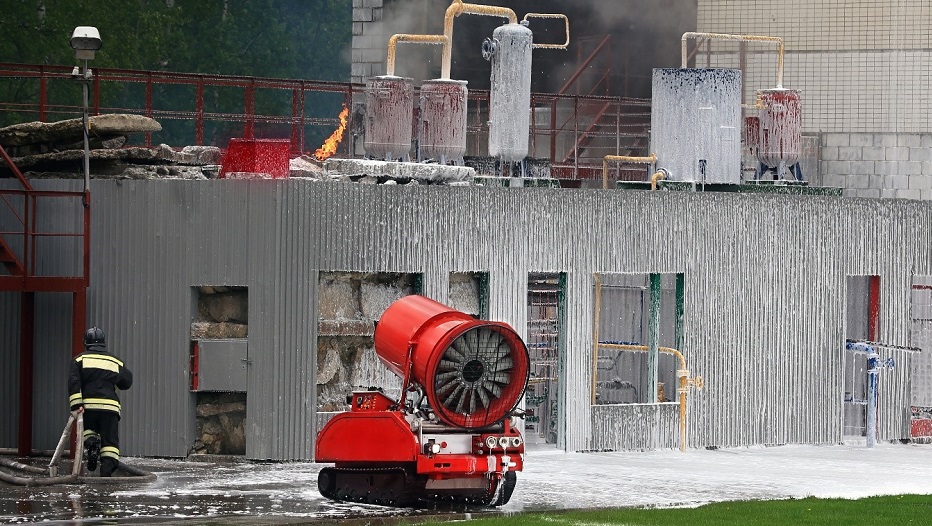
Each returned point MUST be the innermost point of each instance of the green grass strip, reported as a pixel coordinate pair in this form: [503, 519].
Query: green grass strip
[901, 510]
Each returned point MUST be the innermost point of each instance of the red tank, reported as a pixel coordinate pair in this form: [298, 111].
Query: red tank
[781, 128]
[450, 435]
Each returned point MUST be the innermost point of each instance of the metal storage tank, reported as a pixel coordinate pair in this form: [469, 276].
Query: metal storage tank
[781, 129]
[442, 124]
[389, 110]
[751, 137]
[510, 97]
[696, 124]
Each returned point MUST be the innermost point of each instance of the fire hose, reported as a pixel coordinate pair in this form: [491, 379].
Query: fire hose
[49, 475]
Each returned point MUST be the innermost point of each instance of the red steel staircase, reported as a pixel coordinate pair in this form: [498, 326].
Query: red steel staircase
[22, 245]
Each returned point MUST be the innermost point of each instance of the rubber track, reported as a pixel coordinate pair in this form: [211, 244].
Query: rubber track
[397, 486]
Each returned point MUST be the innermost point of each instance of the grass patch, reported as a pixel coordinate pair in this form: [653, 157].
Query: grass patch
[902, 510]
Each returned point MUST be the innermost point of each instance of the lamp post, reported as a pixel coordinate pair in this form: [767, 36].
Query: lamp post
[85, 40]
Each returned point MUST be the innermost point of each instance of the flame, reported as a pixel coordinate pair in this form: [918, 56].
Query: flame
[329, 147]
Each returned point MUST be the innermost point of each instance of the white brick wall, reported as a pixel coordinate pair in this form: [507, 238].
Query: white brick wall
[863, 65]
[865, 71]
[878, 164]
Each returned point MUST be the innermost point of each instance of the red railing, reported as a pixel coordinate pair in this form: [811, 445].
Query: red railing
[563, 127]
[21, 236]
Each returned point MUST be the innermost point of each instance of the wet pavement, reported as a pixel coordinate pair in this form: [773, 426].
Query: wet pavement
[286, 493]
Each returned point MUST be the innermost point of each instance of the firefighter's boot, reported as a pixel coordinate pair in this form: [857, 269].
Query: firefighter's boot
[92, 445]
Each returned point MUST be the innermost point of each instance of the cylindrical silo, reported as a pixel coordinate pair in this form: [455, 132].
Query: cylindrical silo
[781, 129]
[696, 124]
[510, 95]
[442, 125]
[389, 110]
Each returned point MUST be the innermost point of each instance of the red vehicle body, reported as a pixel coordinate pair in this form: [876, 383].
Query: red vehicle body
[450, 435]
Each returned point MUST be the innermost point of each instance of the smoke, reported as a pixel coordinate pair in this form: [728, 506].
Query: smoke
[424, 17]
[645, 34]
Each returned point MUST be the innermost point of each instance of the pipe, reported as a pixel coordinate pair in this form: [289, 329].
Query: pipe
[659, 175]
[872, 372]
[739, 38]
[650, 159]
[682, 373]
[457, 8]
[414, 39]
[551, 15]
[595, 335]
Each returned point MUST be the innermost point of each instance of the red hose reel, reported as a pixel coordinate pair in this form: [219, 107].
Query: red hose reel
[473, 372]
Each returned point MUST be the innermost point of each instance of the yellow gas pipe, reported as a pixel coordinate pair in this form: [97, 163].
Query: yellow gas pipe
[658, 175]
[739, 38]
[457, 8]
[682, 373]
[414, 39]
[551, 15]
[650, 159]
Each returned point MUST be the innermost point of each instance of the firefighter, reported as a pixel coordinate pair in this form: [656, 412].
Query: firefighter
[95, 377]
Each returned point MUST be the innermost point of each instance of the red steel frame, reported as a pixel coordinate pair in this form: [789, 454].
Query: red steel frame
[27, 282]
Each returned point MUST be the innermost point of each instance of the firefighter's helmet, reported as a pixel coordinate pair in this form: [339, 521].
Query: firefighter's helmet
[95, 337]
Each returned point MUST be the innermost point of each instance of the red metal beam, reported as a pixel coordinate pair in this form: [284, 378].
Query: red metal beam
[26, 353]
[873, 314]
[585, 64]
[41, 284]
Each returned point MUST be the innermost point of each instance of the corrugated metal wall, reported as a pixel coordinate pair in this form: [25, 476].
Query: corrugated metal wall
[764, 293]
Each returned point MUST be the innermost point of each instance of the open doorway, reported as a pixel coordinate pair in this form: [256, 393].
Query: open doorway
[219, 368]
[545, 320]
[862, 318]
[920, 402]
[349, 305]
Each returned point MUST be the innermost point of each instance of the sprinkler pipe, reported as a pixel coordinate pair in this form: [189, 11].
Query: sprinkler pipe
[650, 159]
[738, 38]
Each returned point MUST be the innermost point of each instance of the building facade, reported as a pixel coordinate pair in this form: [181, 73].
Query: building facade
[766, 280]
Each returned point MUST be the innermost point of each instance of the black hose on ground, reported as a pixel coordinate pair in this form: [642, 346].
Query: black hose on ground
[136, 475]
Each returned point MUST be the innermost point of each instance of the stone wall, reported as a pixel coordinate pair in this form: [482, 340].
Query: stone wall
[889, 165]
[349, 305]
[221, 424]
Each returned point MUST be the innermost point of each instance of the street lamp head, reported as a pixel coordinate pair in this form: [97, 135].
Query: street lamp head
[85, 41]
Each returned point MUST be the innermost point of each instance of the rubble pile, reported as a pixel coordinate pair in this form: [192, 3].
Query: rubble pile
[56, 150]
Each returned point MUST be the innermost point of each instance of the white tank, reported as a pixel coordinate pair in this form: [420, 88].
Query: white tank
[510, 95]
[696, 124]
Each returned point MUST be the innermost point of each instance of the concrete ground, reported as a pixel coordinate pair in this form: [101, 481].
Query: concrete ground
[286, 493]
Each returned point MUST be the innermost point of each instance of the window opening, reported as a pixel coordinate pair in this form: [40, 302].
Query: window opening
[636, 310]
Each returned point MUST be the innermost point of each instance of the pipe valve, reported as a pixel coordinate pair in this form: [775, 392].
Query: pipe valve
[489, 48]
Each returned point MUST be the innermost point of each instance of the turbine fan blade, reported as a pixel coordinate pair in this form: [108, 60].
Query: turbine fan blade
[458, 351]
[503, 364]
[448, 402]
[463, 393]
[502, 378]
[483, 394]
[443, 377]
[448, 365]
